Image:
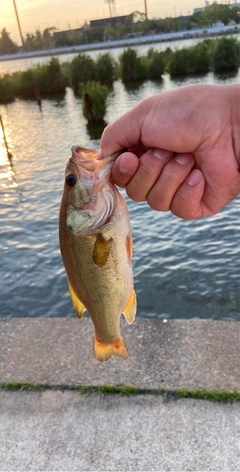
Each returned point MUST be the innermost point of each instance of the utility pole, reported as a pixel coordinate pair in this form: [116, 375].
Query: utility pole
[110, 8]
[18, 22]
[145, 4]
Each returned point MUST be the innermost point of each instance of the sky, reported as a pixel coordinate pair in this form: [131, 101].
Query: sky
[71, 14]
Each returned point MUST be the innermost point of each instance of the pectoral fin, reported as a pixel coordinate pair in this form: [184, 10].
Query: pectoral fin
[129, 246]
[101, 250]
[131, 308]
[78, 305]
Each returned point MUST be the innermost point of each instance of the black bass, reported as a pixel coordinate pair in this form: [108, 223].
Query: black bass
[96, 247]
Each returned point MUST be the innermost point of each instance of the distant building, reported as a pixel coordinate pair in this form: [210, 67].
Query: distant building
[235, 4]
[183, 18]
[207, 3]
[198, 10]
[114, 21]
[86, 26]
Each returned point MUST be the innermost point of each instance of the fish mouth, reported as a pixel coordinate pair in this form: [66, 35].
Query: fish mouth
[84, 153]
[89, 168]
[86, 157]
[95, 175]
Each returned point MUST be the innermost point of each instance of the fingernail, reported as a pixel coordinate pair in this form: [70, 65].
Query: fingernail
[126, 166]
[183, 159]
[162, 154]
[194, 178]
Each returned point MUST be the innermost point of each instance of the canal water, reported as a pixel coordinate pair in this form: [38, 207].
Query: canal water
[182, 269]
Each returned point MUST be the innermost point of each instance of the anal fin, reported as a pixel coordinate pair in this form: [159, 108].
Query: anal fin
[131, 308]
[103, 352]
[78, 305]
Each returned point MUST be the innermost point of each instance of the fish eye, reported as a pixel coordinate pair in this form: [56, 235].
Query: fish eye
[70, 180]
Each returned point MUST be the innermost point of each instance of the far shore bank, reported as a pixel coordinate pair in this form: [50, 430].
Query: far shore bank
[127, 42]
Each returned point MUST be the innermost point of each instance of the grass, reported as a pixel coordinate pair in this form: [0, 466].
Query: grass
[132, 67]
[190, 61]
[21, 386]
[225, 54]
[221, 396]
[94, 96]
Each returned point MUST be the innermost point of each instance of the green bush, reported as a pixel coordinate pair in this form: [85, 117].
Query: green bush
[133, 67]
[157, 63]
[105, 69]
[50, 77]
[83, 69]
[94, 97]
[221, 55]
[187, 61]
[6, 89]
[225, 54]
[42, 79]
[23, 83]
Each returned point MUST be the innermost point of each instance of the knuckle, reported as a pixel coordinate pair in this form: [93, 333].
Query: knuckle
[155, 202]
[184, 208]
[146, 171]
[135, 194]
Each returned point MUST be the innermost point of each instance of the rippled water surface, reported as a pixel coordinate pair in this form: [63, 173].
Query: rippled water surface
[183, 269]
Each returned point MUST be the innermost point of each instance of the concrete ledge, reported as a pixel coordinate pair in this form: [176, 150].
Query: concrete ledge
[65, 431]
[176, 354]
[62, 430]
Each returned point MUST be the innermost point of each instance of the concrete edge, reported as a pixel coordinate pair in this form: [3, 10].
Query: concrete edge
[198, 356]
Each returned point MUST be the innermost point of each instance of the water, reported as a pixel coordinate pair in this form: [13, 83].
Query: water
[183, 269]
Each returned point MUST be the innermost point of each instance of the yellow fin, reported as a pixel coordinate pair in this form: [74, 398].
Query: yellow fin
[101, 250]
[78, 305]
[129, 246]
[103, 352]
[131, 308]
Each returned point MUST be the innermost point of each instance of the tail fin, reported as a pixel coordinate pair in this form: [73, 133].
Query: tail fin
[103, 352]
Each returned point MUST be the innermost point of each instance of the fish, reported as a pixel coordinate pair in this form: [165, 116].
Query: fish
[96, 248]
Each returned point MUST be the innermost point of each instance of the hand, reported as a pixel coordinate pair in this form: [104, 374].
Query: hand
[183, 150]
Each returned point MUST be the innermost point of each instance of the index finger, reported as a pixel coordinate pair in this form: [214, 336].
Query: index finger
[125, 132]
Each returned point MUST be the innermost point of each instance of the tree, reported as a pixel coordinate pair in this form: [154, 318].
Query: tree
[7, 46]
[47, 37]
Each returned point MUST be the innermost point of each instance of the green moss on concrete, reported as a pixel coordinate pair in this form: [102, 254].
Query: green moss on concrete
[105, 389]
[124, 390]
[20, 386]
[216, 396]
[222, 396]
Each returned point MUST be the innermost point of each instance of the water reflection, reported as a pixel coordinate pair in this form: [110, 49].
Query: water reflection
[95, 129]
[133, 87]
[182, 268]
[226, 77]
[8, 178]
[6, 168]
